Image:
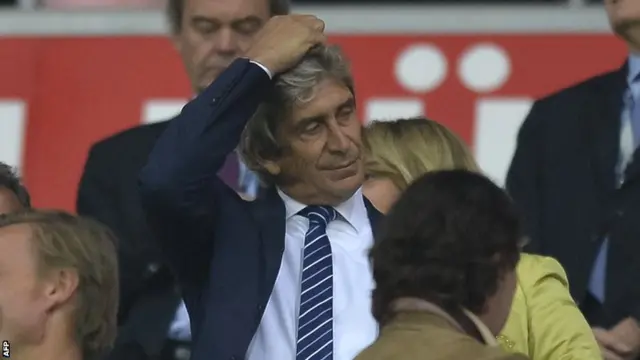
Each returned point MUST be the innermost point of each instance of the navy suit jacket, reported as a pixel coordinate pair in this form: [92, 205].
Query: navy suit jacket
[226, 252]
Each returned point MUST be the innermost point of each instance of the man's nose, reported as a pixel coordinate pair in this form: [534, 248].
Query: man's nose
[226, 42]
[338, 141]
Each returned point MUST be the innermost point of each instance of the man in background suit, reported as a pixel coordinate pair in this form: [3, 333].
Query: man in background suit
[286, 276]
[576, 177]
[208, 35]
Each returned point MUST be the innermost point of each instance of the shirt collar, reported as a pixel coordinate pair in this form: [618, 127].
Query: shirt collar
[353, 211]
[634, 68]
[484, 331]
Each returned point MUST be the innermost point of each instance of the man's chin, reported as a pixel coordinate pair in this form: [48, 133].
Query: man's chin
[627, 27]
[352, 171]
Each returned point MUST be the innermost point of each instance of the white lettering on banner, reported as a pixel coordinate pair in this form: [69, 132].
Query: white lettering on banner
[157, 110]
[389, 109]
[495, 135]
[484, 67]
[12, 129]
[481, 68]
[421, 68]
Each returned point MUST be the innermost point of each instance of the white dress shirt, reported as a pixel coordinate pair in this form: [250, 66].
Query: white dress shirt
[354, 327]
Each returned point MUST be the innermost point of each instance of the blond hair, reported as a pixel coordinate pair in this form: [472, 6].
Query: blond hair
[66, 241]
[405, 149]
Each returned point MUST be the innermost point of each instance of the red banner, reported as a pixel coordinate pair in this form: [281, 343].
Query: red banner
[59, 95]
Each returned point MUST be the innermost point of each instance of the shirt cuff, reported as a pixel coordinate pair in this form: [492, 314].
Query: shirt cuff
[263, 68]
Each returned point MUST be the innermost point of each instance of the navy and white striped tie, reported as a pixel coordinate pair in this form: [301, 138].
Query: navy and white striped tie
[315, 318]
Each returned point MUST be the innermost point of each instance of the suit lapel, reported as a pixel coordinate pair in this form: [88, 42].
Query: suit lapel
[602, 137]
[375, 217]
[632, 172]
[270, 214]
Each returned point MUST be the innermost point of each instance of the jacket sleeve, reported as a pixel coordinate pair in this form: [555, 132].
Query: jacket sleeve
[557, 328]
[524, 176]
[180, 191]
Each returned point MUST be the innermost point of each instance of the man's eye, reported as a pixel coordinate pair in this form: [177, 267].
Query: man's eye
[248, 27]
[312, 127]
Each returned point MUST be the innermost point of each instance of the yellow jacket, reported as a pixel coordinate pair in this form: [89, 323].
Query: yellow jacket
[545, 322]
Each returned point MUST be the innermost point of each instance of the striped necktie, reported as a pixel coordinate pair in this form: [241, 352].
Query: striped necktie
[315, 317]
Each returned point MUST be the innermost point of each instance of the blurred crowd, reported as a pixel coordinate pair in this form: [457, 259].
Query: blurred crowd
[264, 222]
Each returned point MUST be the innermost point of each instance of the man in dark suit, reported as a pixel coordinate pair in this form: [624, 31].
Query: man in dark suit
[576, 176]
[286, 276]
[208, 35]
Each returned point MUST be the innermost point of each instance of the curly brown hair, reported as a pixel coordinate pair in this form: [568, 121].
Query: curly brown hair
[449, 239]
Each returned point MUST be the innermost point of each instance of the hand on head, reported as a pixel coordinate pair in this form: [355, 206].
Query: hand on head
[284, 40]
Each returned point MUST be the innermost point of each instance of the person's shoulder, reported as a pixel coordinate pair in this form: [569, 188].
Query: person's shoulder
[127, 149]
[580, 90]
[129, 137]
[532, 269]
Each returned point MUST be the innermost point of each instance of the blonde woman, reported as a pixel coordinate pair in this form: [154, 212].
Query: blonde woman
[544, 322]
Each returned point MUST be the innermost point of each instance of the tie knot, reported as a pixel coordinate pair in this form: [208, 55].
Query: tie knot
[319, 215]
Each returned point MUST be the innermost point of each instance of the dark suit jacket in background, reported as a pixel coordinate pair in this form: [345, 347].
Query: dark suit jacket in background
[108, 192]
[225, 251]
[563, 178]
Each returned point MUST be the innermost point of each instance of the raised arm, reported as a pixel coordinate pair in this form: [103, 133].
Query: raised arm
[179, 187]
[180, 190]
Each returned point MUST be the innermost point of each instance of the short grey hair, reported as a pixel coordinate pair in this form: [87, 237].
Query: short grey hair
[260, 142]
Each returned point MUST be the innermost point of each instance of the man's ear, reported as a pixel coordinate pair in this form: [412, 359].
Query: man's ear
[272, 167]
[61, 285]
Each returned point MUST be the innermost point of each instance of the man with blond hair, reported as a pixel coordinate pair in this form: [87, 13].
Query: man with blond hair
[58, 287]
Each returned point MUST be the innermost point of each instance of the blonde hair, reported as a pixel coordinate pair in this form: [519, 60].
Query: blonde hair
[63, 240]
[405, 149]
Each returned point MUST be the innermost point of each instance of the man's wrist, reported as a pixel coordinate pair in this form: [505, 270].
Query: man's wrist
[263, 67]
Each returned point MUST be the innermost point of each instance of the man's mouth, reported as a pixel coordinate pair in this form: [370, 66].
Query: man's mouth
[343, 166]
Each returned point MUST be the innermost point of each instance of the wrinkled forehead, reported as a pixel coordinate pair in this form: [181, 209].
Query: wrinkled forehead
[326, 99]
[226, 11]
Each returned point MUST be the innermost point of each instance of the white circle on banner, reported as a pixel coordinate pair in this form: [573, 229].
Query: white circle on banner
[421, 68]
[484, 68]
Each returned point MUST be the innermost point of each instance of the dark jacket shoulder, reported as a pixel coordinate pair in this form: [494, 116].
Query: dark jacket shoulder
[584, 89]
[124, 153]
[142, 137]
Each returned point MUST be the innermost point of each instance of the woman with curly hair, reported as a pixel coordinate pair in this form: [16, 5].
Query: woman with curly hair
[444, 266]
[544, 322]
